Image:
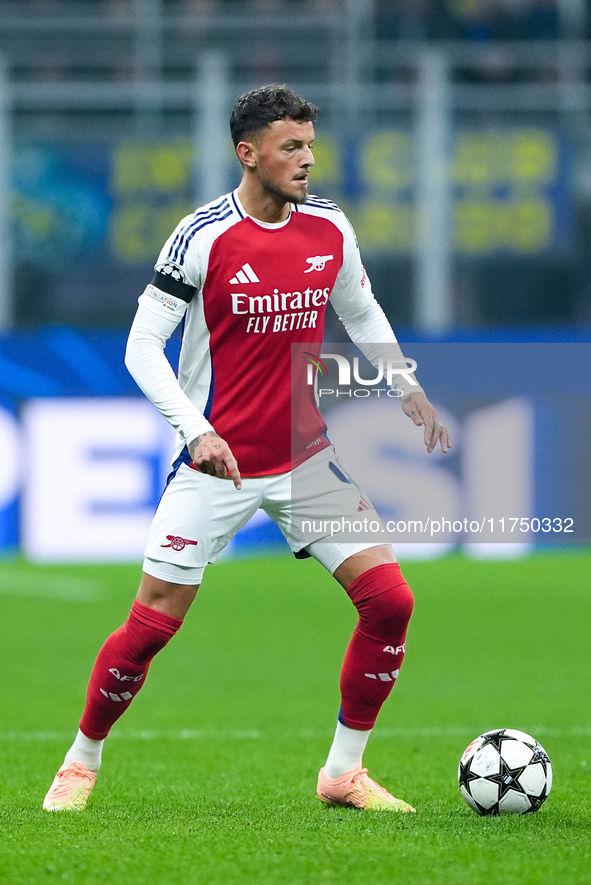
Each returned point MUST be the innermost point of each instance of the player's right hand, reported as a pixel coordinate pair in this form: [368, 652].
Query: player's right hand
[212, 455]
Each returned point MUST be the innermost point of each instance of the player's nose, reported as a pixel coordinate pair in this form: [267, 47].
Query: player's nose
[308, 158]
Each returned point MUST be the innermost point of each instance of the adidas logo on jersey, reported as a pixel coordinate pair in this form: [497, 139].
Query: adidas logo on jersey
[245, 275]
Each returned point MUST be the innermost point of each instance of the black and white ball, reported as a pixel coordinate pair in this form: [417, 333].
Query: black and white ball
[505, 772]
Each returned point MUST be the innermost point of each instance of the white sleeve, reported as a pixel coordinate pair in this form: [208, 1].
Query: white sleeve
[153, 325]
[364, 320]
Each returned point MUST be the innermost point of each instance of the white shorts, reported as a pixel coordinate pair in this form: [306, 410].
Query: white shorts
[199, 514]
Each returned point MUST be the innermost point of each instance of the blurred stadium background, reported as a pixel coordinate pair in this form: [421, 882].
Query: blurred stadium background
[455, 133]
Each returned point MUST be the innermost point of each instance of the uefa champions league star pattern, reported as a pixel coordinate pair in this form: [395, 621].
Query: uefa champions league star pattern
[505, 772]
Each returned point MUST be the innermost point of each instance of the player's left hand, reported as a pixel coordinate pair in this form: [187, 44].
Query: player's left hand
[422, 413]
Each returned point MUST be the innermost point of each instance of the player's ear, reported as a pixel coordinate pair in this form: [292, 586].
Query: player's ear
[246, 152]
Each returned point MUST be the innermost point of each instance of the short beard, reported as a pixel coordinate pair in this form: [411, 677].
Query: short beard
[287, 198]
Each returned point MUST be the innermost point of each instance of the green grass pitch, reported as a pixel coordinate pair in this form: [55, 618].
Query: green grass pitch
[210, 777]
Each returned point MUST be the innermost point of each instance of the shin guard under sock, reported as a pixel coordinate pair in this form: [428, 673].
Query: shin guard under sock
[121, 666]
[384, 602]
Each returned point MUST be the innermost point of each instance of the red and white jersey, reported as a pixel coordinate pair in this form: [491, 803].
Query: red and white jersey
[247, 291]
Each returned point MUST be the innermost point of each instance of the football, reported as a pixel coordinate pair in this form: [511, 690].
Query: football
[505, 772]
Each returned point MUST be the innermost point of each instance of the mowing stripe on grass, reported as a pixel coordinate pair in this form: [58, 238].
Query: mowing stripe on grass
[63, 587]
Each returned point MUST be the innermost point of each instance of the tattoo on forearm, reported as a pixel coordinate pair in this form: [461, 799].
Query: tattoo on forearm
[199, 439]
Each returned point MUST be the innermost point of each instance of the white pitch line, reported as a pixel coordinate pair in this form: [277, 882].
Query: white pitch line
[196, 734]
[147, 735]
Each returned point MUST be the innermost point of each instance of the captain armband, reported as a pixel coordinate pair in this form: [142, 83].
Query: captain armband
[168, 280]
[168, 292]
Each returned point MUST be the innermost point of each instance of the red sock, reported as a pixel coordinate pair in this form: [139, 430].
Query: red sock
[374, 656]
[121, 667]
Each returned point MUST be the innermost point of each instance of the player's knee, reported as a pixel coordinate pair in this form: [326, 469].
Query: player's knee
[404, 600]
[384, 601]
[388, 614]
[147, 631]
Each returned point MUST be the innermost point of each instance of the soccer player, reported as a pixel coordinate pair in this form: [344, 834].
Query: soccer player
[250, 274]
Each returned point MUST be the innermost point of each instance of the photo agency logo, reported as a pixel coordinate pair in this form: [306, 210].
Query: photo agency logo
[349, 381]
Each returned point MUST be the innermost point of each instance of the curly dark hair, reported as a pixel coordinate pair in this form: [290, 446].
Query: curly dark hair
[254, 110]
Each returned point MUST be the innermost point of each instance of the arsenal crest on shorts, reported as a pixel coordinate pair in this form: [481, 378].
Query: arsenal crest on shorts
[178, 543]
